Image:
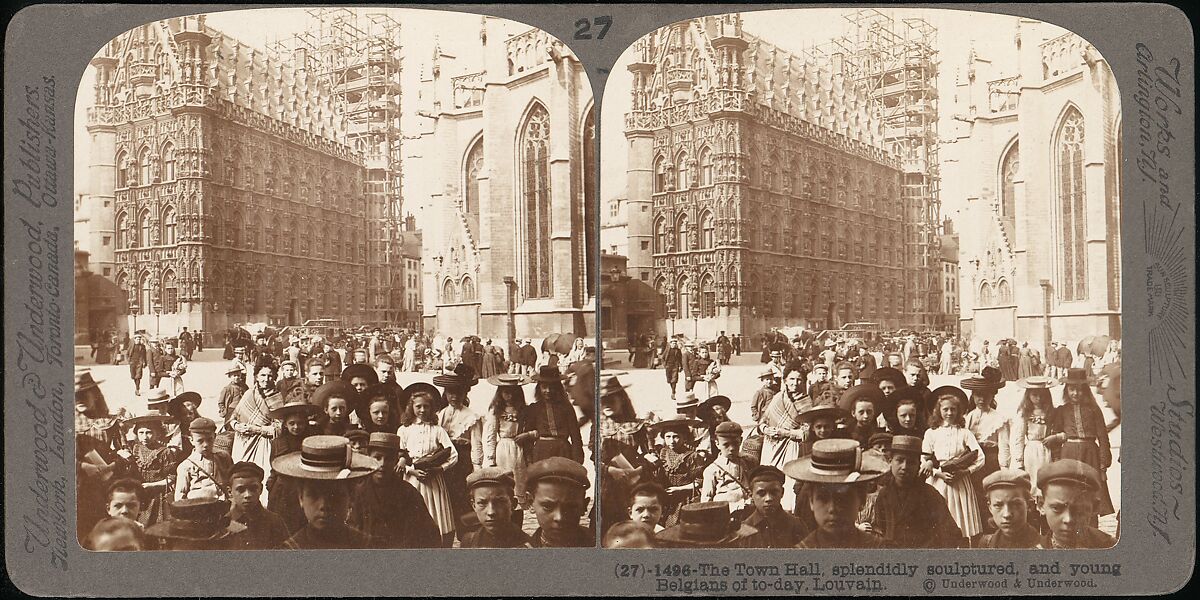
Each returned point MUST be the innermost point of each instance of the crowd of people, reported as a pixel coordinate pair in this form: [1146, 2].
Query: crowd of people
[318, 446]
[846, 453]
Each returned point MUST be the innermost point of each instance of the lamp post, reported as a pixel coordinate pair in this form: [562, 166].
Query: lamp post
[511, 287]
[696, 319]
[1046, 333]
[671, 313]
[157, 319]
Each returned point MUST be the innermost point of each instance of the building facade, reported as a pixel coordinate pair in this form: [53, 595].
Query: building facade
[948, 277]
[1039, 156]
[514, 213]
[761, 184]
[233, 199]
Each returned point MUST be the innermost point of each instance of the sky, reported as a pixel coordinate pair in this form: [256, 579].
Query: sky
[797, 30]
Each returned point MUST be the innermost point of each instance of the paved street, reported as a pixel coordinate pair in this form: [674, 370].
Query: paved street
[206, 376]
[739, 381]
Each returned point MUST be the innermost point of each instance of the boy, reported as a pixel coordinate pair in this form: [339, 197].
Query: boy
[776, 528]
[646, 505]
[232, 393]
[629, 534]
[491, 493]
[327, 470]
[837, 473]
[725, 480]
[264, 529]
[359, 438]
[1069, 488]
[115, 534]
[1008, 499]
[557, 487]
[334, 399]
[907, 512]
[386, 507]
[204, 473]
[124, 499]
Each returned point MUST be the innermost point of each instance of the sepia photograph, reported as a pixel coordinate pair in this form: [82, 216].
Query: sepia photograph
[334, 284]
[861, 284]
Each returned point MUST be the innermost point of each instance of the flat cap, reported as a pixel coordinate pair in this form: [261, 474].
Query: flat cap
[729, 429]
[360, 435]
[491, 476]
[879, 438]
[768, 472]
[559, 468]
[202, 425]
[246, 468]
[1068, 469]
[1007, 478]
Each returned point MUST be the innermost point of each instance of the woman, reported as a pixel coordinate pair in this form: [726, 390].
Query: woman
[948, 439]
[504, 434]
[781, 428]
[1031, 427]
[465, 428]
[1025, 366]
[1078, 431]
[493, 361]
[430, 454]
[704, 371]
[251, 421]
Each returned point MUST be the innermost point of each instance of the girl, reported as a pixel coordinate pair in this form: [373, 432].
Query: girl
[251, 422]
[1078, 426]
[156, 464]
[947, 438]
[1030, 428]
[377, 410]
[465, 428]
[504, 435]
[704, 371]
[679, 468]
[335, 399]
[908, 421]
[431, 453]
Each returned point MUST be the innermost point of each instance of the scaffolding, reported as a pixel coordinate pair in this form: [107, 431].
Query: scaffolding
[895, 63]
[357, 60]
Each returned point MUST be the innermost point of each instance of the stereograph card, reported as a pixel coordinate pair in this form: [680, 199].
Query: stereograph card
[599, 299]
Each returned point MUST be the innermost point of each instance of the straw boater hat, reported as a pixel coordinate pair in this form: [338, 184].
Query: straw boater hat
[767, 373]
[508, 380]
[705, 524]
[835, 461]
[158, 399]
[988, 380]
[908, 444]
[1037, 382]
[689, 401]
[548, 374]
[235, 368]
[325, 458]
[291, 408]
[462, 377]
[197, 520]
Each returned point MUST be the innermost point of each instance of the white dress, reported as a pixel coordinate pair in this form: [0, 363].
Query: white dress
[944, 443]
[421, 439]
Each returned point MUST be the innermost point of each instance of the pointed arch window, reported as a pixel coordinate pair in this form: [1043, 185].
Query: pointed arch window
[124, 170]
[145, 295]
[535, 175]
[708, 297]
[168, 162]
[145, 170]
[449, 292]
[708, 230]
[681, 232]
[706, 167]
[1008, 174]
[660, 175]
[1071, 205]
[683, 297]
[474, 166]
[144, 227]
[683, 178]
[662, 236]
[170, 292]
[235, 230]
[122, 231]
[170, 227]
[468, 290]
[1004, 292]
[986, 297]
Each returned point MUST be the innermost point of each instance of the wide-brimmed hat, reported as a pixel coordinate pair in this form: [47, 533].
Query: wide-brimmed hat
[1037, 382]
[157, 399]
[393, 393]
[290, 408]
[951, 390]
[438, 401]
[334, 389]
[689, 401]
[820, 412]
[1077, 376]
[716, 401]
[508, 379]
[989, 380]
[862, 391]
[705, 524]
[194, 519]
[235, 368]
[176, 403]
[158, 422]
[767, 372]
[674, 422]
[84, 381]
[462, 377]
[548, 374]
[889, 374]
[610, 384]
[836, 461]
[360, 370]
[326, 458]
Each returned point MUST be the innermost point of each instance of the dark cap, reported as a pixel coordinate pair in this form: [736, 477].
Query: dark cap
[1008, 478]
[1071, 470]
[202, 425]
[729, 429]
[880, 438]
[246, 468]
[768, 472]
[491, 476]
[360, 435]
[558, 468]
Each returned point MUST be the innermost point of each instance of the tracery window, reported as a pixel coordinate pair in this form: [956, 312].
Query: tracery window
[169, 227]
[708, 228]
[683, 178]
[1008, 173]
[474, 166]
[122, 231]
[708, 297]
[662, 239]
[1069, 169]
[706, 167]
[535, 173]
[145, 170]
[681, 232]
[168, 162]
[144, 224]
[170, 288]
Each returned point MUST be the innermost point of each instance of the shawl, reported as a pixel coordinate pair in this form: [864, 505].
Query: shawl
[782, 412]
[254, 409]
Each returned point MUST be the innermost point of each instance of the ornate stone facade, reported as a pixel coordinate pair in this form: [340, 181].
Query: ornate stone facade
[774, 201]
[234, 201]
[1039, 168]
[511, 149]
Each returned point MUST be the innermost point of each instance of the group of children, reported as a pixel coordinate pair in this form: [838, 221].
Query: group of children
[412, 468]
[885, 462]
